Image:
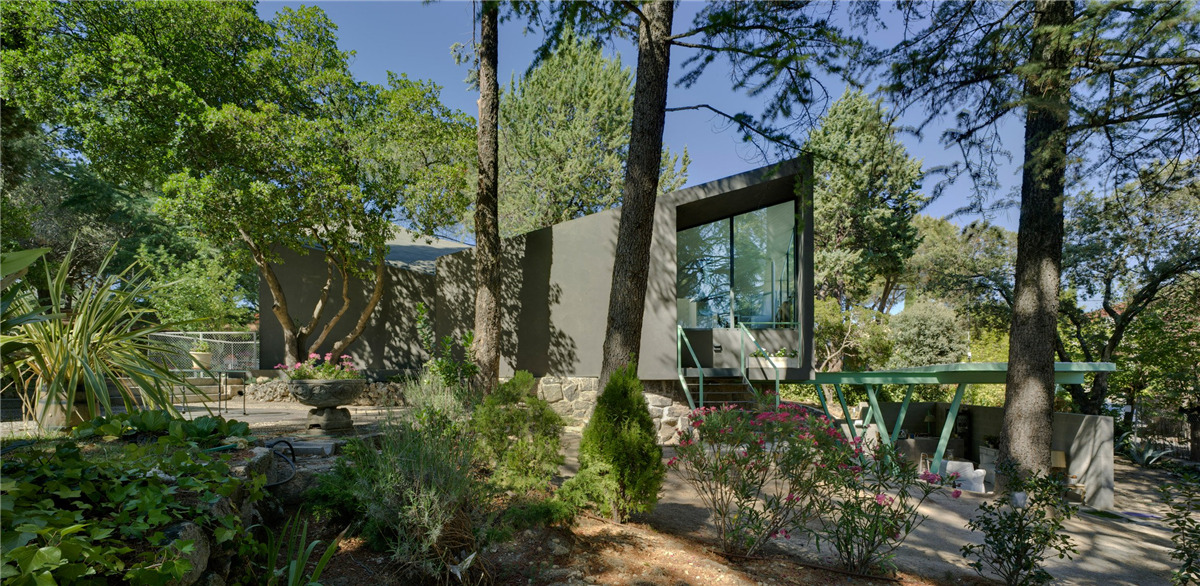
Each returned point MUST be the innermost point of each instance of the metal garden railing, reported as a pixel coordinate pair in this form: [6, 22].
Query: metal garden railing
[681, 341]
[746, 334]
[230, 351]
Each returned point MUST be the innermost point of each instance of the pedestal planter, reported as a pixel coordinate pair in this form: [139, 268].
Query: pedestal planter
[326, 396]
[201, 360]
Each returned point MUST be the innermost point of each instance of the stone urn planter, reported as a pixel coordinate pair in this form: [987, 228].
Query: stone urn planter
[326, 396]
[201, 360]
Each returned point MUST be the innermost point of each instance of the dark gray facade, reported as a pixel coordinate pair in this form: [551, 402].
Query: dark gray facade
[555, 288]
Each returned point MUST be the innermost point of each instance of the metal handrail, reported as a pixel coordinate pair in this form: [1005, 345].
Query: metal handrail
[746, 334]
[681, 341]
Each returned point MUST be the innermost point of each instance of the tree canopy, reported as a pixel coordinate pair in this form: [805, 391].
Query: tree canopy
[865, 198]
[256, 130]
[564, 137]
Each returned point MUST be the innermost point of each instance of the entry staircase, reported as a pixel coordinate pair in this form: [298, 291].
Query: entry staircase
[708, 387]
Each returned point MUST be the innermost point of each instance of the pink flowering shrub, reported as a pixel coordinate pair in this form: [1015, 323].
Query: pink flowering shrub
[877, 497]
[317, 369]
[762, 474]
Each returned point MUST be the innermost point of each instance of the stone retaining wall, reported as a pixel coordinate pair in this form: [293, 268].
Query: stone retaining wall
[574, 398]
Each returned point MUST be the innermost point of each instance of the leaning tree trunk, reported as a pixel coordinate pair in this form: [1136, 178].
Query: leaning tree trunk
[623, 335]
[1029, 391]
[1193, 420]
[487, 228]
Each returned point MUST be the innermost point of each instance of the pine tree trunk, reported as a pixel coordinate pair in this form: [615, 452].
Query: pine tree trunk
[623, 334]
[1029, 394]
[487, 228]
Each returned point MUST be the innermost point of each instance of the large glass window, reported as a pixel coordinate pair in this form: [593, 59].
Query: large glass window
[739, 270]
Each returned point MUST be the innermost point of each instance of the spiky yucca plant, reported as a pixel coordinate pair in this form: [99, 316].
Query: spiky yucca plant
[102, 337]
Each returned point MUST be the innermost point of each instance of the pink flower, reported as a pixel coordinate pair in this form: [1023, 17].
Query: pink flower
[930, 477]
[671, 462]
[955, 493]
[314, 355]
[883, 499]
[328, 356]
[698, 423]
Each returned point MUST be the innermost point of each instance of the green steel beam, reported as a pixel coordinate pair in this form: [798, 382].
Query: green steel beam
[845, 411]
[878, 413]
[903, 411]
[948, 427]
[821, 398]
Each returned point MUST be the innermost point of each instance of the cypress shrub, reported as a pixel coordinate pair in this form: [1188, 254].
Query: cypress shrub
[620, 462]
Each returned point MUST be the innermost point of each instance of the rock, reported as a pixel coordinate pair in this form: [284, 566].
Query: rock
[552, 393]
[292, 492]
[676, 410]
[210, 579]
[570, 391]
[198, 557]
[558, 549]
[657, 400]
[257, 464]
[666, 433]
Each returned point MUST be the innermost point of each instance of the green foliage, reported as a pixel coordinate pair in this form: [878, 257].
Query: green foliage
[205, 431]
[519, 435]
[1019, 527]
[762, 475]
[1143, 452]
[540, 513]
[1126, 78]
[105, 338]
[619, 455]
[865, 198]
[205, 291]
[1136, 251]
[1182, 497]
[924, 334]
[416, 496]
[69, 513]
[564, 138]
[16, 308]
[853, 338]
[291, 549]
[444, 363]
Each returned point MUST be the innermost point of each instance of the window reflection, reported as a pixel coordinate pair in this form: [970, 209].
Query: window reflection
[739, 270]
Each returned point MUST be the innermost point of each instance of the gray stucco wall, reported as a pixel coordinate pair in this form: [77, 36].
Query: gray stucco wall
[1086, 439]
[389, 341]
[555, 286]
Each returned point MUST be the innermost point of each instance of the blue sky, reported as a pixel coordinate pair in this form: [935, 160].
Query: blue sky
[414, 38]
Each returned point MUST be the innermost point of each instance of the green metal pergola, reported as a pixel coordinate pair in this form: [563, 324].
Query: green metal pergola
[961, 374]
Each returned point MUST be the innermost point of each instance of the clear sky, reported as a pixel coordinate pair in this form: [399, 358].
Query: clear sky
[414, 38]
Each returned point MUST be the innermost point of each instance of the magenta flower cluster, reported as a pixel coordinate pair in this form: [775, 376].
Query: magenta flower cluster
[318, 368]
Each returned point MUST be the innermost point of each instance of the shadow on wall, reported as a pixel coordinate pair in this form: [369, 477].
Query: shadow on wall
[529, 338]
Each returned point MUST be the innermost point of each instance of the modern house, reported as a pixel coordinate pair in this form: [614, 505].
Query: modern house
[728, 259]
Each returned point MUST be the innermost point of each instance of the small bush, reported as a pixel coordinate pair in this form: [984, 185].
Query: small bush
[519, 435]
[761, 475]
[1183, 498]
[431, 393]
[619, 455]
[1019, 527]
[416, 496]
[878, 496]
